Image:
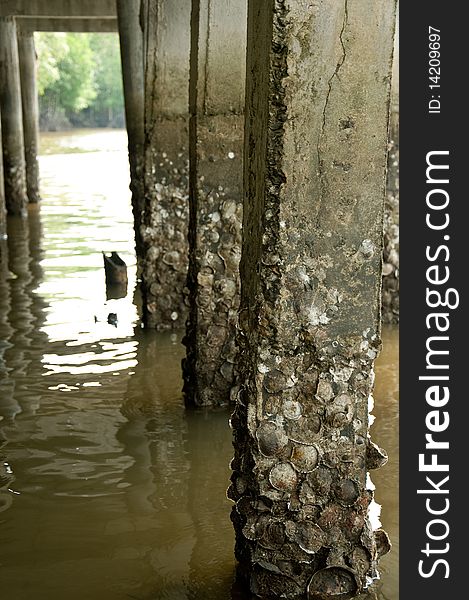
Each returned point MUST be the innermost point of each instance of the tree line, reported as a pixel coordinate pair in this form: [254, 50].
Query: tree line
[79, 80]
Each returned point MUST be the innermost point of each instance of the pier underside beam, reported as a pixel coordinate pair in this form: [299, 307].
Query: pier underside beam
[82, 25]
[58, 8]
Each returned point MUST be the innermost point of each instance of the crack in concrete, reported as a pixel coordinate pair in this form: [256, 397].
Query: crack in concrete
[326, 103]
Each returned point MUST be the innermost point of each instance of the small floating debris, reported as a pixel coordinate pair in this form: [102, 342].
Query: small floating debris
[112, 319]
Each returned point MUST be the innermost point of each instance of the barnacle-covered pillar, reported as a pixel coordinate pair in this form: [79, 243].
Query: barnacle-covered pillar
[315, 162]
[27, 58]
[391, 212]
[166, 210]
[12, 120]
[2, 193]
[131, 46]
[216, 93]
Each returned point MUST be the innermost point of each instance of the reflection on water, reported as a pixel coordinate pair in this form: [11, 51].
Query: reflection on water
[108, 489]
[385, 431]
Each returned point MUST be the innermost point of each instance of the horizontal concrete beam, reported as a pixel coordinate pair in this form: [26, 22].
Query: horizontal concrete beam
[73, 25]
[58, 8]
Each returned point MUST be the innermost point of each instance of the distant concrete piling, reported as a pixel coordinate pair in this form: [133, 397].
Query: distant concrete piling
[2, 190]
[166, 212]
[318, 90]
[391, 213]
[30, 104]
[12, 120]
[216, 104]
[18, 86]
[131, 45]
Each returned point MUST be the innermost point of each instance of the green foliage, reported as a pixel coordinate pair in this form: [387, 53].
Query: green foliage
[108, 77]
[76, 72]
[52, 48]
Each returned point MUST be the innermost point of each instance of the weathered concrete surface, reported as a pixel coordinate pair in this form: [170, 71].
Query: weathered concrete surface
[131, 45]
[2, 191]
[58, 8]
[166, 213]
[391, 213]
[12, 120]
[215, 188]
[83, 25]
[29, 95]
[315, 162]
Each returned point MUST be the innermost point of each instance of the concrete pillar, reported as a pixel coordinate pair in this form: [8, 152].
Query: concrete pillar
[215, 193]
[315, 162]
[391, 213]
[27, 59]
[131, 45]
[12, 120]
[166, 213]
[2, 190]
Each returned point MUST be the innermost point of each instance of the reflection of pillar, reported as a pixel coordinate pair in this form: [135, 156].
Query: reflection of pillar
[155, 437]
[18, 356]
[315, 161]
[216, 95]
[12, 120]
[31, 396]
[391, 213]
[27, 60]
[15, 325]
[131, 45]
[210, 450]
[5, 304]
[386, 432]
[22, 315]
[164, 231]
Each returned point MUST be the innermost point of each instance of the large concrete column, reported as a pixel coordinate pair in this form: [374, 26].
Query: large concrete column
[12, 120]
[391, 214]
[166, 214]
[131, 45]
[315, 162]
[215, 183]
[27, 59]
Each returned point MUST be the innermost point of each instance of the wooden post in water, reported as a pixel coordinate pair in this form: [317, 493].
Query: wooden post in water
[216, 102]
[12, 120]
[317, 94]
[30, 103]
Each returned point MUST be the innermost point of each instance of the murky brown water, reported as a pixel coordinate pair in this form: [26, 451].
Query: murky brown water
[109, 490]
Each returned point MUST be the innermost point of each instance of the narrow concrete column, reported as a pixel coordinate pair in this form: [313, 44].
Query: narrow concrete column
[12, 120]
[27, 58]
[391, 213]
[216, 93]
[315, 162]
[166, 212]
[2, 191]
[131, 45]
